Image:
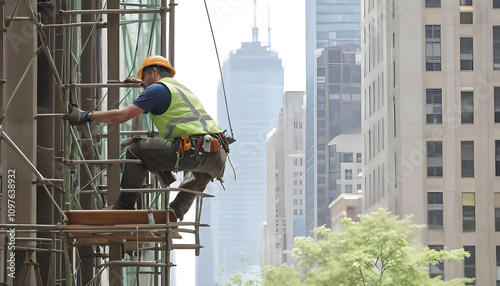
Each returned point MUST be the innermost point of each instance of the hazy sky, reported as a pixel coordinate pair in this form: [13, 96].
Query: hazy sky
[232, 20]
[196, 61]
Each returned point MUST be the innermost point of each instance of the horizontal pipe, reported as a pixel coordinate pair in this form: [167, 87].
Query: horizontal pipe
[107, 162]
[128, 133]
[80, 24]
[111, 11]
[30, 226]
[186, 246]
[50, 114]
[154, 190]
[9, 19]
[102, 85]
[138, 5]
[133, 264]
[38, 249]
[37, 239]
[99, 229]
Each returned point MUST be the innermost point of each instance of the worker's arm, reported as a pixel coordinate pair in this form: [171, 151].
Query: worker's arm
[116, 116]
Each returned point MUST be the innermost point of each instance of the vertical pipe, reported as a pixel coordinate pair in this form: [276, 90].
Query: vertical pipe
[20, 45]
[67, 176]
[2, 236]
[113, 148]
[163, 29]
[171, 35]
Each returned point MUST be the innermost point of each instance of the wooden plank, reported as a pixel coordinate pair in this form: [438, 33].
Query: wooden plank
[117, 217]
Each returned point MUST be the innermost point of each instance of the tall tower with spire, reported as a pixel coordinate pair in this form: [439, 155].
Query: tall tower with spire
[253, 77]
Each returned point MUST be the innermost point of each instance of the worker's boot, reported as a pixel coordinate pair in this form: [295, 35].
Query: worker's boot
[165, 178]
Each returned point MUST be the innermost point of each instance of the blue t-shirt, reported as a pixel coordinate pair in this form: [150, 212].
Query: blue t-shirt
[155, 99]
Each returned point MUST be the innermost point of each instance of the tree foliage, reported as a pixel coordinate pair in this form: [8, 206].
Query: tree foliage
[379, 250]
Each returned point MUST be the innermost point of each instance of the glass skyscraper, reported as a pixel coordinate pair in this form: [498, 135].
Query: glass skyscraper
[328, 23]
[253, 78]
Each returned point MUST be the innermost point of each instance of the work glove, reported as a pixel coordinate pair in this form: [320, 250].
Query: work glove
[77, 116]
[132, 79]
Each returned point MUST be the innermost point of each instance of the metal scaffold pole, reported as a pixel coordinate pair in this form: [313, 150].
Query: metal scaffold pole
[19, 193]
[113, 178]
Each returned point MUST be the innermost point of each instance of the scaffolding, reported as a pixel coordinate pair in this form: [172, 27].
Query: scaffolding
[56, 178]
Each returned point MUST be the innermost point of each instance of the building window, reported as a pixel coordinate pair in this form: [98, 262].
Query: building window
[497, 157]
[438, 269]
[295, 212]
[434, 159]
[348, 174]
[300, 201]
[497, 212]
[467, 159]
[466, 54]
[359, 188]
[294, 191]
[434, 106]
[498, 265]
[435, 210]
[358, 157]
[295, 201]
[496, 47]
[496, 4]
[470, 263]
[301, 212]
[465, 2]
[432, 3]
[433, 47]
[468, 212]
[466, 18]
[348, 189]
[467, 107]
[347, 157]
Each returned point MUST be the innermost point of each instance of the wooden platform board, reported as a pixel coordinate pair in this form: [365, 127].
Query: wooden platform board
[108, 219]
[117, 217]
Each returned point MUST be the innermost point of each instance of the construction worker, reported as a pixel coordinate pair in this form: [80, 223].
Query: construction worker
[181, 121]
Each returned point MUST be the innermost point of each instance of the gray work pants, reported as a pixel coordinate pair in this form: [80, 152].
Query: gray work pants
[156, 155]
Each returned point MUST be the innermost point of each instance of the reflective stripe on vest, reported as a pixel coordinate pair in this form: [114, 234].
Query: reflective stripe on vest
[185, 115]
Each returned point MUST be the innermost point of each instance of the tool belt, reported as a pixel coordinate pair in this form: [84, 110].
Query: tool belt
[203, 143]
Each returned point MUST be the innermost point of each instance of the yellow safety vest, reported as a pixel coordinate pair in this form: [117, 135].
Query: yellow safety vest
[185, 116]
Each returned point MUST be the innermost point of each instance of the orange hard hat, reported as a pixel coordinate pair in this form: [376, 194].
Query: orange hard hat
[156, 60]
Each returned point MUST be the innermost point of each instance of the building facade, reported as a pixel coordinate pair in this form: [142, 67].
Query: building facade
[327, 24]
[431, 139]
[285, 183]
[253, 77]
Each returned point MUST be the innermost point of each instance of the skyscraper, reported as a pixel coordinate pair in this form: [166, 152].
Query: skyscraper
[253, 78]
[431, 97]
[285, 183]
[327, 24]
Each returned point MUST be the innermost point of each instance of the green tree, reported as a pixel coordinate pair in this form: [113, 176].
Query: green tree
[275, 276]
[379, 250]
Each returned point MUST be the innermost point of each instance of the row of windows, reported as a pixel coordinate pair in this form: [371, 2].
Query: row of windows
[295, 212]
[376, 140]
[437, 3]
[347, 157]
[434, 106]
[435, 211]
[349, 190]
[435, 158]
[433, 49]
[297, 161]
[469, 263]
[375, 96]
